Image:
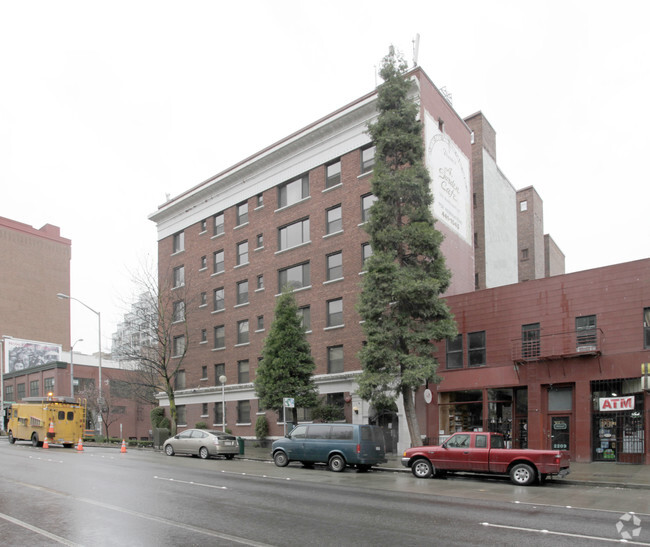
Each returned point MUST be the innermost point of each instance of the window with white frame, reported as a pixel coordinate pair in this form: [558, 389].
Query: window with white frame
[178, 311]
[333, 174]
[179, 276]
[219, 337]
[335, 266]
[219, 262]
[243, 372]
[334, 220]
[335, 312]
[178, 346]
[366, 203]
[219, 299]
[293, 191]
[242, 213]
[294, 277]
[243, 412]
[304, 314]
[334, 359]
[293, 234]
[242, 253]
[219, 224]
[242, 292]
[179, 242]
[367, 159]
[242, 332]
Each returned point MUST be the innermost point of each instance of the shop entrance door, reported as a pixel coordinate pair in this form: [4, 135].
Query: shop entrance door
[560, 432]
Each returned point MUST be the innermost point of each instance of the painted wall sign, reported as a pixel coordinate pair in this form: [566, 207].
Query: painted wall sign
[616, 404]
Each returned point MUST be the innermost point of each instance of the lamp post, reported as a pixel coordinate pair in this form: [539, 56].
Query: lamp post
[223, 379]
[2, 382]
[100, 400]
[72, 367]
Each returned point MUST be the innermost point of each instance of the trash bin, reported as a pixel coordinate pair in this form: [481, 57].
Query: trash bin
[240, 441]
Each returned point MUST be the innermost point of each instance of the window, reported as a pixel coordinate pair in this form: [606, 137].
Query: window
[219, 225]
[293, 192]
[476, 349]
[259, 241]
[178, 346]
[179, 242]
[586, 336]
[366, 253]
[242, 253]
[334, 220]
[243, 412]
[9, 393]
[260, 322]
[204, 225]
[219, 299]
[294, 277]
[204, 299]
[179, 276]
[260, 200]
[242, 332]
[455, 352]
[524, 254]
[21, 391]
[646, 328]
[219, 264]
[335, 313]
[242, 292]
[366, 204]
[219, 371]
[204, 263]
[260, 282]
[204, 409]
[33, 388]
[243, 372]
[335, 266]
[293, 235]
[219, 417]
[367, 159]
[178, 311]
[523, 205]
[48, 386]
[530, 341]
[204, 336]
[304, 314]
[179, 380]
[204, 372]
[333, 174]
[181, 417]
[334, 359]
[219, 337]
[242, 213]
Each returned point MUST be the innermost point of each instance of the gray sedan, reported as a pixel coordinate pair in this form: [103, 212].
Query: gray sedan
[202, 443]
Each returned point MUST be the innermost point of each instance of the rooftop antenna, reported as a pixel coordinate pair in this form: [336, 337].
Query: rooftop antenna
[416, 49]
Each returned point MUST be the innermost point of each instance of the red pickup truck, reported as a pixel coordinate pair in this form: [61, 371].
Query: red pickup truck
[482, 452]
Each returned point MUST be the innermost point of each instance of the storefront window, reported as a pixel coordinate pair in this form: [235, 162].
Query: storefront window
[461, 411]
[500, 412]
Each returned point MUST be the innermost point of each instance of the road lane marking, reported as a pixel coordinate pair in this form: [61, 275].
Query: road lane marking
[40, 531]
[240, 474]
[554, 506]
[191, 482]
[153, 518]
[565, 534]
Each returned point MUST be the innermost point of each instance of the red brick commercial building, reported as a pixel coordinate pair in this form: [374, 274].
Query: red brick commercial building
[552, 363]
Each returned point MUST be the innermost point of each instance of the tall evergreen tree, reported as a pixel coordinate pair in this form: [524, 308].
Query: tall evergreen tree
[400, 300]
[287, 365]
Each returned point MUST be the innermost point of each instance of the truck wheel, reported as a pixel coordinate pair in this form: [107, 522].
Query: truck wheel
[35, 442]
[522, 474]
[336, 463]
[422, 468]
[280, 459]
[11, 439]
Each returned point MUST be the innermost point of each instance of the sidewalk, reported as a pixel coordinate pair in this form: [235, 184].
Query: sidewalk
[619, 475]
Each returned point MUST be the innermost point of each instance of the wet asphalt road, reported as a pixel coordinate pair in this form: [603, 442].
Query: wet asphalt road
[102, 497]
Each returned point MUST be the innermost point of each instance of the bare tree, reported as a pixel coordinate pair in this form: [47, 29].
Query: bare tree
[155, 343]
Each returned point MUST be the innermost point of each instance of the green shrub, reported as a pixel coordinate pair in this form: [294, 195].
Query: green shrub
[261, 427]
[201, 425]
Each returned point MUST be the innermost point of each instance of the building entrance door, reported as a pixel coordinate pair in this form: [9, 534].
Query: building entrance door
[560, 432]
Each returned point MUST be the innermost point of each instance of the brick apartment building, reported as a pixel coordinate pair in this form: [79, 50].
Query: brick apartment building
[552, 363]
[294, 212]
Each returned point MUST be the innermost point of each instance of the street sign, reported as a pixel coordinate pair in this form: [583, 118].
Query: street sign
[288, 402]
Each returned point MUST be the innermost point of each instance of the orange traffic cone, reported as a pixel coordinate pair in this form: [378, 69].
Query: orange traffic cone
[45, 445]
[80, 446]
[123, 449]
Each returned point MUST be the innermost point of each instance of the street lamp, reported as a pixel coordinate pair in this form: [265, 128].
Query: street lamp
[3, 340]
[223, 379]
[72, 367]
[100, 401]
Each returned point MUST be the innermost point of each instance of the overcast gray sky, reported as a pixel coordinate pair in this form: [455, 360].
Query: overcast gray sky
[107, 106]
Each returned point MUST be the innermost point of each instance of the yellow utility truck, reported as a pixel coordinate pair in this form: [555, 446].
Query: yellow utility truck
[59, 419]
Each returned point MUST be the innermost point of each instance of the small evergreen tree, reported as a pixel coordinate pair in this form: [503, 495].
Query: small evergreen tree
[287, 365]
[400, 299]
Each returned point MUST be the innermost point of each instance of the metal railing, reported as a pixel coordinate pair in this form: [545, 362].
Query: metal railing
[561, 345]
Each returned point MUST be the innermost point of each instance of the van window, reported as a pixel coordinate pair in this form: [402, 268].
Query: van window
[70, 416]
[299, 432]
[318, 432]
[341, 433]
[61, 414]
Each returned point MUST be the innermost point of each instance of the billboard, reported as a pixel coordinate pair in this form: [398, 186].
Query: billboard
[24, 354]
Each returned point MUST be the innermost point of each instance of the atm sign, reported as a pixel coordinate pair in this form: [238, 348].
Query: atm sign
[613, 404]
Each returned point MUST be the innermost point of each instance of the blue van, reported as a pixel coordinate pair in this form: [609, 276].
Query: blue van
[337, 445]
